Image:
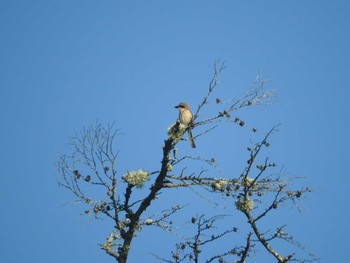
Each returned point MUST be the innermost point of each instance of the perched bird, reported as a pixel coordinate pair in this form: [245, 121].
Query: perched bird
[185, 117]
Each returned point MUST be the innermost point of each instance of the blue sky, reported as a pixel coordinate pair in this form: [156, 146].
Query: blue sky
[66, 64]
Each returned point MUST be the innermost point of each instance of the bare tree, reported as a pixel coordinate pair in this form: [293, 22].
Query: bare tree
[256, 192]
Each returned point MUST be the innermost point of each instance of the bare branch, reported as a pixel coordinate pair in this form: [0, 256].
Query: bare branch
[246, 249]
[218, 68]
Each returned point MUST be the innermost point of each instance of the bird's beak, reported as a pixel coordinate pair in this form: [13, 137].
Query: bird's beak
[176, 106]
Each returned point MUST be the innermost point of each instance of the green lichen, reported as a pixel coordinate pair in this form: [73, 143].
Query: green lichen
[249, 182]
[245, 205]
[136, 178]
[176, 131]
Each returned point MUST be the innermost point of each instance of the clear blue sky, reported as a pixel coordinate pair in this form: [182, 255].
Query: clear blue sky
[65, 64]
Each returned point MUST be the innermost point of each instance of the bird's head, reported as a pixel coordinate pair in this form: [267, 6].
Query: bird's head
[182, 105]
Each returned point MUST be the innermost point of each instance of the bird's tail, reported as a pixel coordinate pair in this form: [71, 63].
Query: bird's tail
[193, 145]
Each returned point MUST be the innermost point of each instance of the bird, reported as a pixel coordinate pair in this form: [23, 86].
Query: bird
[186, 118]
